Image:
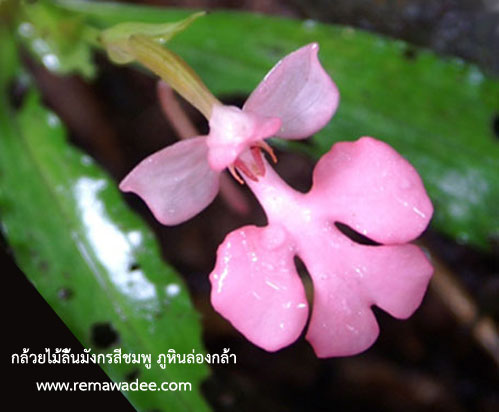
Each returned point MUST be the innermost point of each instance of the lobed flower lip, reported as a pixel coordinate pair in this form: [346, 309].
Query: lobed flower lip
[365, 184]
[294, 100]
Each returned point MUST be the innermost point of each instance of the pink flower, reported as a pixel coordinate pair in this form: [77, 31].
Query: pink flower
[296, 99]
[365, 185]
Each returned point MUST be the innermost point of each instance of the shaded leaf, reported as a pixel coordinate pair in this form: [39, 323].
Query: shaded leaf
[91, 258]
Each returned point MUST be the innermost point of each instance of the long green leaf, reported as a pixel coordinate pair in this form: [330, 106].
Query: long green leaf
[90, 257]
[439, 113]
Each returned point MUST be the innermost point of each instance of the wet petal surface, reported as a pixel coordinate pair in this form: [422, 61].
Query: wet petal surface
[256, 287]
[367, 185]
[348, 279]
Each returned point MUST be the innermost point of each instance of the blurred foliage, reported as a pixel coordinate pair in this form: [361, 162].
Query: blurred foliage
[58, 39]
[93, 260]
[439, 113]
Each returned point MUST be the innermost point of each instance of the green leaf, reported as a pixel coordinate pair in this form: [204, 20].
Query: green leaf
[59, 40]
[437, 112]
[91, 258]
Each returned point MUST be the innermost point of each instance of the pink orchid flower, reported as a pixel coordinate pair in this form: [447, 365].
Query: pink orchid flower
[295, 100]
[365, 185]
[369, 187]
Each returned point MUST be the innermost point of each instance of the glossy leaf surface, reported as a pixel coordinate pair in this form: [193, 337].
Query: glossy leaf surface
[89, 256]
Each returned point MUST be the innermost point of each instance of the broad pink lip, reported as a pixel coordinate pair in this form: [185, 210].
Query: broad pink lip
[366, 185]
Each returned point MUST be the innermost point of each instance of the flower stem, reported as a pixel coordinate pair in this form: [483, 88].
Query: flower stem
[174, 71]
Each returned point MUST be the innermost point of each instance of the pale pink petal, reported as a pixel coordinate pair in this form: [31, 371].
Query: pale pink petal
[394, 277]
[176, 182]
[232, 131]
[348, 279]
[367, 185]
[299, 92]
[256, 287]
[342, 321]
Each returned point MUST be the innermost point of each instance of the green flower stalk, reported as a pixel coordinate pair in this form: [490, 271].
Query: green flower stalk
[141, 42]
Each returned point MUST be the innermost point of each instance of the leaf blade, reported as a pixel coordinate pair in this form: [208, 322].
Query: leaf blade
[91, 258]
